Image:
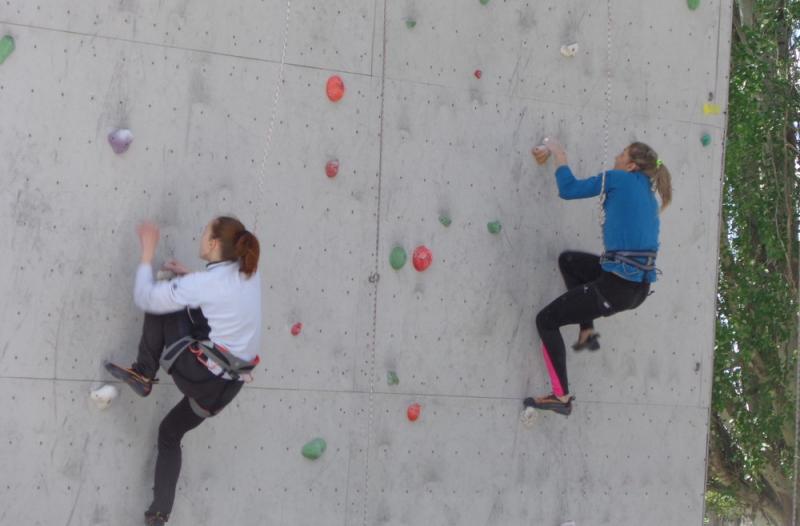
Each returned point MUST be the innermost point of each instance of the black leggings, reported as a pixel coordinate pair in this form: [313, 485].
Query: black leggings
[193, 379]
[591, 293]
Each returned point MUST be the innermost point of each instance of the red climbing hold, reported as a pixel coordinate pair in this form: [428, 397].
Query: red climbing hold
[413, 412]
[335, 88]
[296, 328]
[478, 74]
[332, 168]
[422, 258]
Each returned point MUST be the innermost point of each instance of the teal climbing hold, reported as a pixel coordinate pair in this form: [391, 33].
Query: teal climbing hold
[494, 227]
[411, 23]
[314, 449]
[705, 139]
[398, 258]
[6, 47]
[392, 378]
[693, 4]
[445, 220]
[484, 2]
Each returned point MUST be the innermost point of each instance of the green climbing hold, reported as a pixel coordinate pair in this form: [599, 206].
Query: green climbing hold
[411, 23]
[6, 47]
[397, 258]
[314, 449]
[484, 2]
[705, 139]
[445, 220]
[494, 227]
[392, 378]
[693, 4]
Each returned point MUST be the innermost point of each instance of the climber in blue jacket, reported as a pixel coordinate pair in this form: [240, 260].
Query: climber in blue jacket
[615, 281]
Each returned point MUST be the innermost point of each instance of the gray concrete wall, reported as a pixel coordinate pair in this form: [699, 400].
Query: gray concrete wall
[416, 135]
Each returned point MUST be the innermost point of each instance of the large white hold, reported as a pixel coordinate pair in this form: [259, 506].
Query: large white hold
[570, 50]
[528, 417]
[104, 395]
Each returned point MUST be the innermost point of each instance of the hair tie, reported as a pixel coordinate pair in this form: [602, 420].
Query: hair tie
[239, 235]
[659, 163]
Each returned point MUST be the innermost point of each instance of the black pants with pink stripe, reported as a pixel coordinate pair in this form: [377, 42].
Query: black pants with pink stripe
[591, 293]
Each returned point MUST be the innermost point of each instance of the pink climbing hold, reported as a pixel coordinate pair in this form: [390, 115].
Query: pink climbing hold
[413, 412]
[335, 88]
[332, 168]
[296, 328]
[120, 140]
[478, 74]
[422, 258]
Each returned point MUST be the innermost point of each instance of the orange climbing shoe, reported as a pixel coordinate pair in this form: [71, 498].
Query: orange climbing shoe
[551, 403]
[138, 382]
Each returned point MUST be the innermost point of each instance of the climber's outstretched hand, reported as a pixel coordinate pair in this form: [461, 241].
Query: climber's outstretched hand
[555, 147]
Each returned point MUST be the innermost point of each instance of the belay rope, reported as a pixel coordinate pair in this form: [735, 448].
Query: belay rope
[608, 116]
[276, 97]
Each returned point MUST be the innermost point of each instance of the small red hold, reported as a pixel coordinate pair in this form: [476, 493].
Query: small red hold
[332, 168]
[413, 412]
[478, 73]
[296, 328]
[335, 88]
[422, 258]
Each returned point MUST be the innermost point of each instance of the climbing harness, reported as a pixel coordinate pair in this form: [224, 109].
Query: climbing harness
[233, 368]
[628, 257]
[205, 350]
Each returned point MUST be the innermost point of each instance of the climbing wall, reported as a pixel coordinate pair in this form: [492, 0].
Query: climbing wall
[228, 110]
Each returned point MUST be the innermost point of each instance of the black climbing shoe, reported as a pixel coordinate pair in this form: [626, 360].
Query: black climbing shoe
[551, 403]
[155, 519]
[138, 382]
[590, 343]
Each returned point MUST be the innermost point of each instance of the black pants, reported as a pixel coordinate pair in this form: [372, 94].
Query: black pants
[193, 379]
[591, 293]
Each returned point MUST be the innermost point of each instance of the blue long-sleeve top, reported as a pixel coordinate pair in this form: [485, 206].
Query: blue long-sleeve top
[631, 211]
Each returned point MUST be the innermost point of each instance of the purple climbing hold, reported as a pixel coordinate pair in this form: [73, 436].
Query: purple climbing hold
[120, 140]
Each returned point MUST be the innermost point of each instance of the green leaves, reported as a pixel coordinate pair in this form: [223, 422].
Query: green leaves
[756, 341]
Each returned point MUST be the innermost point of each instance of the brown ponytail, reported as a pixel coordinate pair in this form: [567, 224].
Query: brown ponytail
[237, 243]
[646, 159]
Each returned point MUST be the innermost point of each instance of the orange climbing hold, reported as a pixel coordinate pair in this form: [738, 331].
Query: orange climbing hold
[413, 412]
[335, 88]
[422, 258]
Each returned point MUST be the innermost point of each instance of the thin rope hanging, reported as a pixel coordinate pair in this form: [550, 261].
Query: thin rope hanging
[608, 116]
[268, 141]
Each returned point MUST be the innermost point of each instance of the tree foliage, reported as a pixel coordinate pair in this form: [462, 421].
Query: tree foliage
[752, 446]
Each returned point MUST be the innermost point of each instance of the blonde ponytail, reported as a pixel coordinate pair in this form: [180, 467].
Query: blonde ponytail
[646, 159]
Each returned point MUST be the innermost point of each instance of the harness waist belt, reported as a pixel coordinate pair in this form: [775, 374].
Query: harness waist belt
[627, 257]
[206, 350]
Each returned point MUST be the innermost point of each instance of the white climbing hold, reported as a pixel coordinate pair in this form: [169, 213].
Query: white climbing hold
[528, 417]
[104, 395]
[570, 523]
[570, 50]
